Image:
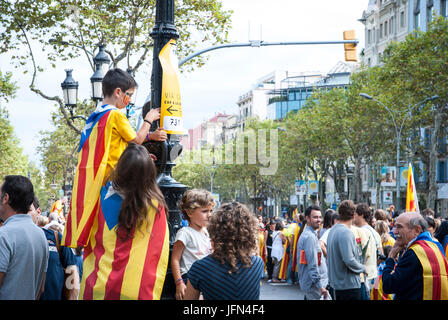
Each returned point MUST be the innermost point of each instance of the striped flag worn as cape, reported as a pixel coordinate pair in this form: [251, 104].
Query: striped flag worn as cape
[131, 269]
[411, 194]
[432, 258]
[89, 178]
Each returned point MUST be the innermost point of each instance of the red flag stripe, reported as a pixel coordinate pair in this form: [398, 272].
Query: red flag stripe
[86, 231]
[98, 252]
[81, 181]
[121, 259]
[152, 259]
[432, 259]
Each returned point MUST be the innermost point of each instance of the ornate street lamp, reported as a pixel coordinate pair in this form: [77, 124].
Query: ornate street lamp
[96, 80]
[102, 58]
[70, 89]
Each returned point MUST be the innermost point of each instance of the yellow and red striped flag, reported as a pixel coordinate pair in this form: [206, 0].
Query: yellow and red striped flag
[89, 178]
[411, 194]
[434, 267]
[125, 269]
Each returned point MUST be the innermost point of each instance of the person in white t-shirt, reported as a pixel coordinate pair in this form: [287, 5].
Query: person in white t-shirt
[192, 243]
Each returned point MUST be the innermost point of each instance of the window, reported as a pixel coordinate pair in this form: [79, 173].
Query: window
[441, 172]
[443, 8]
[385, 29]
[402, 19]
[429, 11]
[391, 22]
[381, 30]
[369, 36]
[417, 15]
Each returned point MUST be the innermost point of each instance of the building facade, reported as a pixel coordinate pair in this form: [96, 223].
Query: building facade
[297, 88]
[389, 21]
[393, 20]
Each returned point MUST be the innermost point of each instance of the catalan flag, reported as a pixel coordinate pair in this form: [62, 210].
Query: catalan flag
[132, 269]
[435, 267]
[377, 292]
[91, 171]
[294, 248]
[411, 194]
[283, 274]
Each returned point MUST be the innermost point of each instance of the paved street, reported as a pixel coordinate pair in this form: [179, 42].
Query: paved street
[280, 291]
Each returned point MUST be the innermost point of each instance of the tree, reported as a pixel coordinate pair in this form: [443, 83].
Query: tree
[419, 68]
[124, 26]
[12, 160]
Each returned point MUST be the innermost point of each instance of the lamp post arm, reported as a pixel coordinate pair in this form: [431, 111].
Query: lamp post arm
[260, 43]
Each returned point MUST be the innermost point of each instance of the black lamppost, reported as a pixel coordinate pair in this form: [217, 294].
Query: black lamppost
[167, 151]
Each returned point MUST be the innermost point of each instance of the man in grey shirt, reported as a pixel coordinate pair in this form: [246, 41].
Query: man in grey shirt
[312, 272]
[342, 252]
[23, 246]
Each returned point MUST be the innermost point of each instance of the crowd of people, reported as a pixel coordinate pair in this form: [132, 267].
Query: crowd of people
[114, 242]
[358, 253]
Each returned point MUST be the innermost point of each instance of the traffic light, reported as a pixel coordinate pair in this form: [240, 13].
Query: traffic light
[350, 48]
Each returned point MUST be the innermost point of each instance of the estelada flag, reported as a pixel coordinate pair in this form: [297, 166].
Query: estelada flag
[411, 194]
[89, 177]
[125, 269]
[283, 274]
[294, 248]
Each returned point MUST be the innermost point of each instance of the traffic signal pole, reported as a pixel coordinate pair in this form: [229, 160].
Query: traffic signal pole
[259, 43]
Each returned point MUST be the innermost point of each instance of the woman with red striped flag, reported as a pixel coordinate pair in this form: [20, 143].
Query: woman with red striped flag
[127, 255]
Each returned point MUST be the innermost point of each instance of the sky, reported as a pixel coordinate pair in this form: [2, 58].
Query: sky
[228, 73]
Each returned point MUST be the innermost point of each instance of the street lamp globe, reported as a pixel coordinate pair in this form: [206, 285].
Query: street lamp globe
[97, 83]
[102, 58]
[70, 89]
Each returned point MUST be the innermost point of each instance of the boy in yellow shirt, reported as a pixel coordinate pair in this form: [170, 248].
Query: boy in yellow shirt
[105, 136]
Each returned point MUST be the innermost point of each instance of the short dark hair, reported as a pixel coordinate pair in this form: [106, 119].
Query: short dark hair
[311, 208]
[278, 225]
[117, 78]
[346, 210]
[363, 210]
[20, 191]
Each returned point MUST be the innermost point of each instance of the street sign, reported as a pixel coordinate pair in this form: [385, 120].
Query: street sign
[171, 107]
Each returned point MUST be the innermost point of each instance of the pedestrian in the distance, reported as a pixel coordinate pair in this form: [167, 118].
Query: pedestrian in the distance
[342, 256]
[278, 250]
[312, 272]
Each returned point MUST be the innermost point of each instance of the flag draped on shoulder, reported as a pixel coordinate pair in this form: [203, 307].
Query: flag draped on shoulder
[435, 269]
[122, 269]
[89, 177]
[283, 274]
[411, 194]
[294, 249]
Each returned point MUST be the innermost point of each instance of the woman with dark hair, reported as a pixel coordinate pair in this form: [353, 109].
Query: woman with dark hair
[278, 249]
[234, 270]
[328, 222]
[127, 255]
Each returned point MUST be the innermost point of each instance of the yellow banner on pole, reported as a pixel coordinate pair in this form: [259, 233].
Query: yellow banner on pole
[171, 107]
